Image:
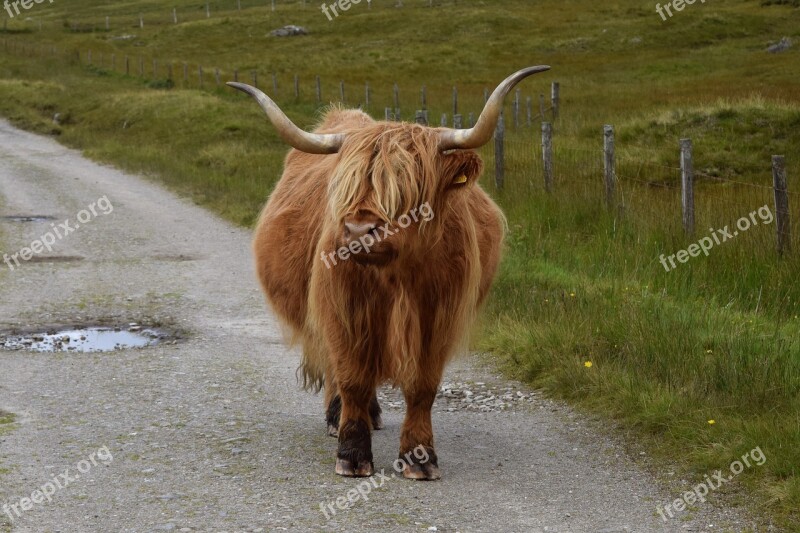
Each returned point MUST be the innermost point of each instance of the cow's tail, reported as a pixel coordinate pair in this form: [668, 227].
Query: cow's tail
[313, 365]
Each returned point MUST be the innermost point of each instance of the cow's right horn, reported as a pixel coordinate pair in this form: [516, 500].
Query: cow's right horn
[311, 143]
[479, 135]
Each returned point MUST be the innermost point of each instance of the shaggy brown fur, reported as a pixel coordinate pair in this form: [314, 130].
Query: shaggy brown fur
[397, 314]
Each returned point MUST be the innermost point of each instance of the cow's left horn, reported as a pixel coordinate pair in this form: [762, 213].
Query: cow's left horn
[479, 135]
[311, 143]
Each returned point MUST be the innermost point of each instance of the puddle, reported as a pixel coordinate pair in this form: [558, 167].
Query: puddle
[31, 218]
[85, 340]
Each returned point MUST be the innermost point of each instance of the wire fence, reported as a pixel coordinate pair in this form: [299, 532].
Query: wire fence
[121, 17]
[643, 190]
[633, 186]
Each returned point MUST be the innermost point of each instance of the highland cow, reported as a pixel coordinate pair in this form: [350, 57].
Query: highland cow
[372, 298]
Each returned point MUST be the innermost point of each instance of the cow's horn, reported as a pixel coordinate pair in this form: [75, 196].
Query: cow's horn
[312, 143]
[479, 135]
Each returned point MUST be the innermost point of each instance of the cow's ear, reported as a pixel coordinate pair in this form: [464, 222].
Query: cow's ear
[462, 169]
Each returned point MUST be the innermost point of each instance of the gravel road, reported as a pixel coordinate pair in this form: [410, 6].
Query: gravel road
[209, 431]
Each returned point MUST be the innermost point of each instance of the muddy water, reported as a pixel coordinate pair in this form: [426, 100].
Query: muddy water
[83, 340]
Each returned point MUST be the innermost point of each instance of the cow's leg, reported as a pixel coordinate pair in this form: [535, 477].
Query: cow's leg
[416, 440]
[333, 404]
[354, 457]
[375, 412]
[333, 408]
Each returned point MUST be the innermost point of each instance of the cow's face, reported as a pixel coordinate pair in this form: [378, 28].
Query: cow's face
[391, 184]
[387, 171]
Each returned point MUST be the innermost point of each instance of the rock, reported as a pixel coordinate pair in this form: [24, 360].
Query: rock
[289, 31]
[781, 46]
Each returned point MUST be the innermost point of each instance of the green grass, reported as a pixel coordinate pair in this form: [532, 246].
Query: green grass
[716, 338]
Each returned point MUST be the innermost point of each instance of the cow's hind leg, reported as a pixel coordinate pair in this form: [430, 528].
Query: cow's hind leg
[375, 412]
[416, 440]
[333, 405]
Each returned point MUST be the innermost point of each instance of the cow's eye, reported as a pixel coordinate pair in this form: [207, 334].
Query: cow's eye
[461, 180]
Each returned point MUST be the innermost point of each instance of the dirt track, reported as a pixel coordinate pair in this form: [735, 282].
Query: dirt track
[212, 433]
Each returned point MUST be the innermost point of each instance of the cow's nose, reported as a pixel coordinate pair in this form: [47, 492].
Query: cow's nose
[355, 230]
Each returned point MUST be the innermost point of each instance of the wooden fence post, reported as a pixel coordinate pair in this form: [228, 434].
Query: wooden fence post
[499, 153]
[516, 109]
[547, 155]
[396, 96]
[609, 164]
[296, 86]
[424, 97]
[782, 225]
[457, 122]
[455, 100]
[387, 114]
[419, 117]
[216, 76]
[687, 186]
[471, 120]
[529, 110]
[554, 99]
[366, 95]
[443, 121]
[319, 90]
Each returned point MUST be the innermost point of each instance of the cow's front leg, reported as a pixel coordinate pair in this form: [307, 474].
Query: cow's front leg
[416, 440]
[354, 458]
[333, 408]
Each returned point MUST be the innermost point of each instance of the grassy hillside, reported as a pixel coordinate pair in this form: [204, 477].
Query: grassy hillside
[714, 339]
